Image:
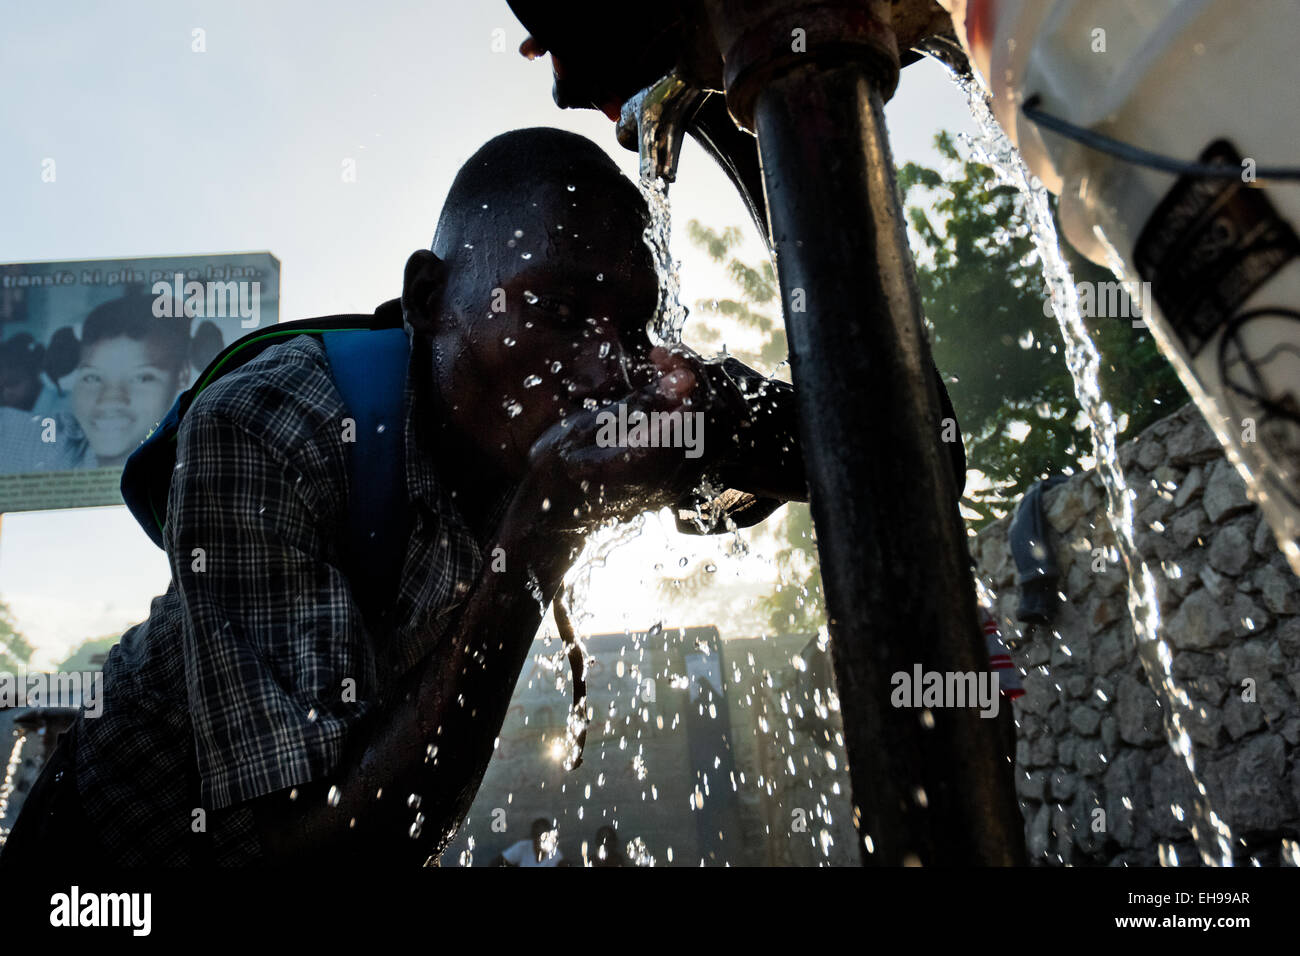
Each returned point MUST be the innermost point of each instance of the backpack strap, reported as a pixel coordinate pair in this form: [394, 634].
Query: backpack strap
[368, 357]
[369, 369]
[147, 474]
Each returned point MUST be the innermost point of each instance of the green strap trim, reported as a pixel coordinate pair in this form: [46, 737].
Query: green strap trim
[233, 352]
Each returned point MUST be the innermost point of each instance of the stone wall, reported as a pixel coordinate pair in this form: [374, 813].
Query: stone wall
[1091, 733]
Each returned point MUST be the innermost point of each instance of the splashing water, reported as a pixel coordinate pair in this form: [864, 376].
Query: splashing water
[994, 149]
[639, 854]
[550, 842]
[7, 786]
[665, 328]
[620, 736]
[577, 585]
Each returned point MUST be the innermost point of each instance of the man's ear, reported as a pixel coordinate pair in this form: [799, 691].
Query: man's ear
[423, 285]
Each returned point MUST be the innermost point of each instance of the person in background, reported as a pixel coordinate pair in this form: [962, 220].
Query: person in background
[22, 360]
[539, 850]
[607, 852]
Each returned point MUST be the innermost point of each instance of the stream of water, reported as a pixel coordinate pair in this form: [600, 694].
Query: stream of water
[666, 328]
[993, 148]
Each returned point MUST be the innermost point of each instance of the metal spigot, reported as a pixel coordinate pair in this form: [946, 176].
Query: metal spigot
[652, 123]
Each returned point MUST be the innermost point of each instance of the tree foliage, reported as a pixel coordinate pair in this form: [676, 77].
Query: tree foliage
[88, 654]
[997, 342]
[15, 651]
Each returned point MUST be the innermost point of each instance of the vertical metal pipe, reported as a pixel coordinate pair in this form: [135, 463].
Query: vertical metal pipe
[930, 787]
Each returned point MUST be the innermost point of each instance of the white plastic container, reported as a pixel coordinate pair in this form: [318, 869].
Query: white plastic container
[1220, 255]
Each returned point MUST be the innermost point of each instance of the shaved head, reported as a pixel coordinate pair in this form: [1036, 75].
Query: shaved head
[537, 291]
[502, 184]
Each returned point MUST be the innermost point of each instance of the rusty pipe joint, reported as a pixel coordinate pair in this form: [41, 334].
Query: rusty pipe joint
[764, 40]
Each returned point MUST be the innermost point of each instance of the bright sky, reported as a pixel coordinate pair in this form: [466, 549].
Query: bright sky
[164, 151]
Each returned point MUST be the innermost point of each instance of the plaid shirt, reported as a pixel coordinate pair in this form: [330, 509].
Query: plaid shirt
[237, 685]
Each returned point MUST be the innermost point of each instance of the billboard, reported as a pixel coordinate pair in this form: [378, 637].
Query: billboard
[94, 352]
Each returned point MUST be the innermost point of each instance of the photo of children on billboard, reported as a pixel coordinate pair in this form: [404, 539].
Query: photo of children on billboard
[94, 353]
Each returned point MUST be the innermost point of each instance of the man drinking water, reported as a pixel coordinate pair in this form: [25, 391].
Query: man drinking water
[258, 715]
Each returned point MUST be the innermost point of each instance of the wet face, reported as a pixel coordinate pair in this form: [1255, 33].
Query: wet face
[121, 389]
[545, 314]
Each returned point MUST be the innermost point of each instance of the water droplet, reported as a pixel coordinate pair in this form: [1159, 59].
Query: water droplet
[604, 349]
[532, 380]
[293, 794]
[413, 801]
[335, 796]
[555, 366]
[526, 255]
[508, 342]
[519, 233]
[512, 407]
[546, 504]
[530, 297]
[571, 188]
[600, 277]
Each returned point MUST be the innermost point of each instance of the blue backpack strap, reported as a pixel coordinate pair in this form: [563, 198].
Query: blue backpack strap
[147, 474]
[368, 358]
[369, 369]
